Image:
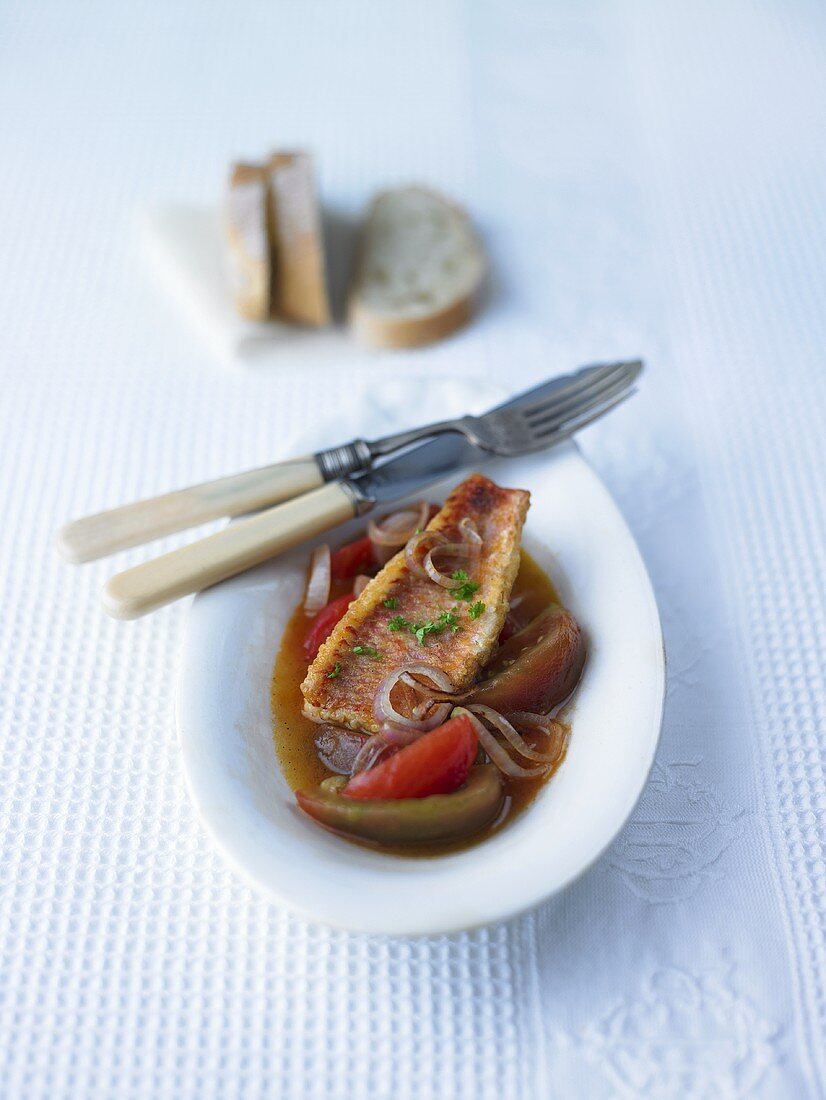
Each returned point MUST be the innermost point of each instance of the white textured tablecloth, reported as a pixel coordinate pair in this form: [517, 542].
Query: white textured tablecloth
[651, 178]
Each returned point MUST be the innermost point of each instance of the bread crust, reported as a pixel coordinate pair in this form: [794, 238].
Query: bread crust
[409, 332]
[347, 699]
[248, 241]
[299, 282]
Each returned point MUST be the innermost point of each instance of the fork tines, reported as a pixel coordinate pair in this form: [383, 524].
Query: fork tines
[583, 400]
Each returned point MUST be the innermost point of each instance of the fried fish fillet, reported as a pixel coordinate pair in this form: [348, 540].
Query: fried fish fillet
[341, 684]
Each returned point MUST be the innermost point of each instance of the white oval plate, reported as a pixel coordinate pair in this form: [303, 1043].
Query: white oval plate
[576, 532]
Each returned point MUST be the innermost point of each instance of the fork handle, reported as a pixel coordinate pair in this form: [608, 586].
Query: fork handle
[241, 546]
[133, 524]
[390, 443]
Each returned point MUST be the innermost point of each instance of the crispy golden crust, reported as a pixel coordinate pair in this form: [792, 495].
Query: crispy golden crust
[347, 700]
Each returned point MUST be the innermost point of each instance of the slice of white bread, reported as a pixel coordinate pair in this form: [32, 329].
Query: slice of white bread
[299, 285]
[420, 268]
[248, 249]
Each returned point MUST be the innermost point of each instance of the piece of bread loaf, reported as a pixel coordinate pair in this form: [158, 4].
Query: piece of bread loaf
[419, 271]
[275, 241]
[248, 249]
[299, 286]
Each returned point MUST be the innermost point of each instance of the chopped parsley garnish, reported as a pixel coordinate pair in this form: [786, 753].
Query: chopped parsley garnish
[367, 651]
[336, 672]
[391, 602]
[465, 588]
[447, 620]
[476, 609]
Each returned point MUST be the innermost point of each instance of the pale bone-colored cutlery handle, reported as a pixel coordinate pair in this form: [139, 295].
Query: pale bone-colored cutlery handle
[240, 546]
[133, 524]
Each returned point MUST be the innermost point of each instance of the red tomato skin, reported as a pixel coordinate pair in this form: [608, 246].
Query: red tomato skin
[352, 559]
[437, 763]
[322, 625]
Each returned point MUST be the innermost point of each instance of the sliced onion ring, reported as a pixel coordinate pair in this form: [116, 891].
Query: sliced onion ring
[435, 695]
[397, 735]
[422, 668]
[412, 548]
[437, 541]
[396, 529]
[495, 751]
[556, 732]
[468, 531]
[369, 754]
[318, 586]
[360, 583]
[494, 718]
[383, 708]
[454, 549]
[421, 709]
[443, 690]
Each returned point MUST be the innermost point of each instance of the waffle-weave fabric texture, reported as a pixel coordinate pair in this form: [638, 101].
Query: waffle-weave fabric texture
[650, 179]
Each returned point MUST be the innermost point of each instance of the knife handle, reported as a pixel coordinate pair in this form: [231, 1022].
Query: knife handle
[133, 524]
[240, 546]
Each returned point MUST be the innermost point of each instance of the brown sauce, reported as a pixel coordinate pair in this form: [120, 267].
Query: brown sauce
[295, 735]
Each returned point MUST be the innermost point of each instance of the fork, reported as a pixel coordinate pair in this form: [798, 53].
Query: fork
[573, 403]
[506, 432]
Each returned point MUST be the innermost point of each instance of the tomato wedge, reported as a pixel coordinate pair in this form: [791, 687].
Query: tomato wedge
[386, 821]
[322, 625]
[352, 559]
[537, 668]
[437, 763]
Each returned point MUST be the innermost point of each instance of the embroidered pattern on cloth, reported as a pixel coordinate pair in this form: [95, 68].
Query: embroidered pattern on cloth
[677, 836]
[683, 1035]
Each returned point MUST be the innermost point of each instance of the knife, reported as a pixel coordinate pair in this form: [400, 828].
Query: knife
[141, 521]
[255, 539]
